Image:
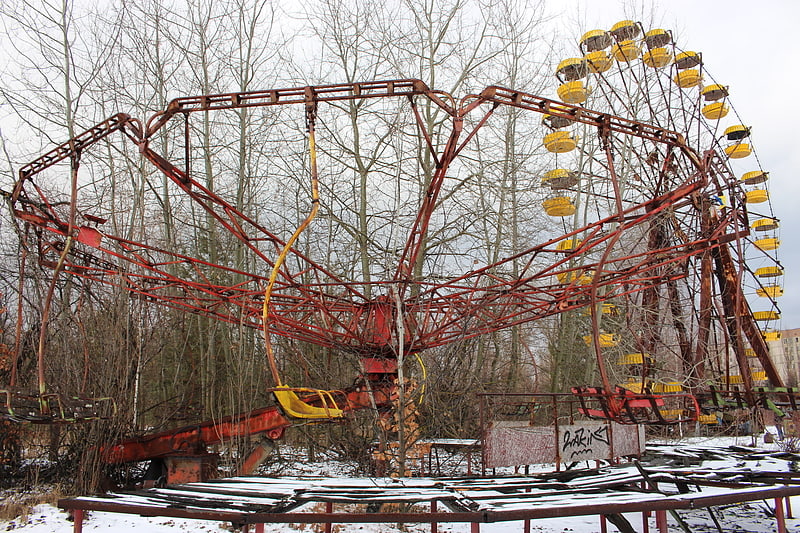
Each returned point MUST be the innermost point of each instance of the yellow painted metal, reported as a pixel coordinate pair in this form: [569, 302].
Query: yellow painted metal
[580, 278]
[767, 244]
[759, 375]
[567, 245]
[769, 272]
[735, 379]
[737, 132]
[555, 122]
[708, 420]
[657, 38]
[770, 291]
[771, 335]
[625, 29]
[738, 150]
[294, 407]
[573, 68]
[715, 111]
[686, 60]
[598, 61]
[714, 92]
[657, 57]
[605, 309]
[764, 316]
[560, 142]
[754, 177]
[559, 206]
[670, 386]
[764, 224]
[634, 358]
[606, 340]
[560, 178]
[596, 40]
[635, 386]
[749, 352]
[756, 196]
[688, 78]
[626, 51]
[573, 92]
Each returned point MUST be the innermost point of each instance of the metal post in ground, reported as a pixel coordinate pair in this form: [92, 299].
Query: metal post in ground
[329, 510]
[661, 521]
[779, 515]
[77, 520]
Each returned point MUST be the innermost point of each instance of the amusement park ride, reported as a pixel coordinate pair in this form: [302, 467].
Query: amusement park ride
[655, 235]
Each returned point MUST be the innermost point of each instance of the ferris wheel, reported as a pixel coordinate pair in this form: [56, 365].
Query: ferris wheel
[707, 327]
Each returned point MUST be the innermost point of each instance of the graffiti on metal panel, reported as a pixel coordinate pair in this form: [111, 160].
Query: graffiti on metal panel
[582, 441]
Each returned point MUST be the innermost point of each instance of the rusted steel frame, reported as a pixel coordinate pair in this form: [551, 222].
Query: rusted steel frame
[651, 207]
[294, 95]
[576, 113]
[655, 503]
[150, 285]
[595, 319]
[207, 199]
[419, 230]
[268, 420]
[744, 321]
[69, 148]
[425, 134]
[503, 288]
[561, 299]
[735, 308]
[684, 343]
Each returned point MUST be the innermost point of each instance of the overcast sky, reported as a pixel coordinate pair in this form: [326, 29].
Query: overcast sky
[754, 48]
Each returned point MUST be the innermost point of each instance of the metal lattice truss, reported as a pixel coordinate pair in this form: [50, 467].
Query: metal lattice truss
[311, 302]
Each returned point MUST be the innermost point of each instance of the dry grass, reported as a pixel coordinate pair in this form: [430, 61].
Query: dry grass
[18, 505]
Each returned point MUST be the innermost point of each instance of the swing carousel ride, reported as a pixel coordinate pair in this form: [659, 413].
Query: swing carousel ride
[649, 225]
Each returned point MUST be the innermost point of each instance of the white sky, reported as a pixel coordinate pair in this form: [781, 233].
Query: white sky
[754, 48]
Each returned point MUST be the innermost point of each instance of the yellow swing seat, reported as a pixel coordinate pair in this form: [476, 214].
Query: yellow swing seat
[294, 407]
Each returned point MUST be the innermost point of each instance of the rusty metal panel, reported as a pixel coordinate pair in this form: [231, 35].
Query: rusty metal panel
[584, 441]
[517, 443]
[512, 443]
[627, 440]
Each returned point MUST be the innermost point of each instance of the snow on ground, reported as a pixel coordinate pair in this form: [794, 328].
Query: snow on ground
[754, 517]
[49, 519]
